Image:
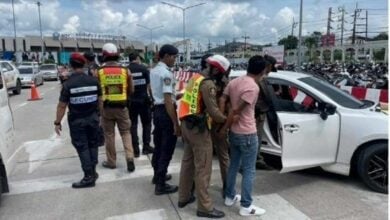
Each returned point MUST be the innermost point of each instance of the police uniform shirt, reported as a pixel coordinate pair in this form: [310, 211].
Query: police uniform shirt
[141, 79]
[81, 92]
[162, 82]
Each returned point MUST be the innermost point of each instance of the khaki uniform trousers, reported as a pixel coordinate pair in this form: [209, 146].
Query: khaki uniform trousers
[196, 166]
[222, 149]
[120, 116]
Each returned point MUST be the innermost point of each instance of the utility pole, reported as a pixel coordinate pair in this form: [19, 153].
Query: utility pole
[40, 28]
[354, 24]
[300, 35]
[366, 24]
[294, 25]
[245, 38]
[209, 46]
[342, 25]
[13, 13]
[328, 26]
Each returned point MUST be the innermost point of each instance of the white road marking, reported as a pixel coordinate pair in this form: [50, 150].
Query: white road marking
[20, 105]
[155, 214]
[39, 149]
[277, 208]
[64, 181]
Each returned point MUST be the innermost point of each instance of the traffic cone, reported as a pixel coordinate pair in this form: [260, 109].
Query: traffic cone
[34, 93]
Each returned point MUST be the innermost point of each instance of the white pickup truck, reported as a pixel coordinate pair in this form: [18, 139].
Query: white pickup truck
[11, 76]
[7, 149]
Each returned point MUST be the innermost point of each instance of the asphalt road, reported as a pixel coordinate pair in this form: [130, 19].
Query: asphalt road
[47, 164]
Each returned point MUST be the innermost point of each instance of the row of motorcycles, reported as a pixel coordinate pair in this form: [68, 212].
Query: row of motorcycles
[357, 75]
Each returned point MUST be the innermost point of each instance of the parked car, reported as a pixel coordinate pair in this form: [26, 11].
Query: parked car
[315, 124]
[11, 77]
[29, 64]
[49, 71]
[7, 149]
[29, 76]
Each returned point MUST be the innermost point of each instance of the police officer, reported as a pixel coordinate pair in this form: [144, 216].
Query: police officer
[166, 124]
[199, 101]
[117, 86]
[92, 66]
[82, 94]
[140, 104]
[262, 107]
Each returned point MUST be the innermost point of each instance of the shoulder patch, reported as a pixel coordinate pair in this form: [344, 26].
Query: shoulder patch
[167, 81]
[213, 91]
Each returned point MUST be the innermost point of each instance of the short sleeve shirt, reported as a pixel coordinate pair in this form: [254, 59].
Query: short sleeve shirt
[243, 89]
[162, 82]
[141, 80]
[81, 92]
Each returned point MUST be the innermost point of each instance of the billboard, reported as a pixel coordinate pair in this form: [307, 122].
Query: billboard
[328, 40]
[275, 51]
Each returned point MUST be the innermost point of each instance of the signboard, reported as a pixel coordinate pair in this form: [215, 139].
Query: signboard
[328, 40]
[275, 51]
[87, 36]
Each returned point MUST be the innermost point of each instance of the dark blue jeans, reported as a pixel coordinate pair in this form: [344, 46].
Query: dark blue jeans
[164, 143]
[243, 151]
[84, 133]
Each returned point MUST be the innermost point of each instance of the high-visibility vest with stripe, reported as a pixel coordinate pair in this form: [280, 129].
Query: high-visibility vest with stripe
[113, 81]
[191, 102]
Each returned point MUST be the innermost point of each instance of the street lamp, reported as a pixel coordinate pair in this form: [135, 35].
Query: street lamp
[40, 29]
[151, 30]
[13, 14]
[300, 36]
[184, 22]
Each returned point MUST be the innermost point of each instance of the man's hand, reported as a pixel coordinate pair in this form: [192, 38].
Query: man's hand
[58, 129]
[177, 130]
[222, 133]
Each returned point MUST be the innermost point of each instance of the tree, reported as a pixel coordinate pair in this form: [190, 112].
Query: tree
[290, 42]
[310, 42]
[381, 36]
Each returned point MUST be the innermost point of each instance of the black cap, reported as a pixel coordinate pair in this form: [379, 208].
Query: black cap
[271, 60]
[167, 49]
[89, 56]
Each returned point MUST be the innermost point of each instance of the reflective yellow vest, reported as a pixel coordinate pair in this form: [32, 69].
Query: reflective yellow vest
[191, 102]
[113, 81]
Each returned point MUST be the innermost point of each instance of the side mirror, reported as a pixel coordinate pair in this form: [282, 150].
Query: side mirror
[326, 109]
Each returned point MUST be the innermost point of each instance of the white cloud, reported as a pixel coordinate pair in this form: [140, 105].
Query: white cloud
[72, 26]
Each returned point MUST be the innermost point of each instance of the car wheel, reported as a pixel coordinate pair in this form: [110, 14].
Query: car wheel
[373, 167]
[18, 88]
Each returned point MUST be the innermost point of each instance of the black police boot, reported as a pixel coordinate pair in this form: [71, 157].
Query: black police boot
[162, 189]
[261, 165]
[95, 174]
[87, 181]
[147, 150]
[130, 166]
[189, 201]
[211, 214]
[167, 178]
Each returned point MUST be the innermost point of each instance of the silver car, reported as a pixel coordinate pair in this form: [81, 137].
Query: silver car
[30, 75]
[49, 71]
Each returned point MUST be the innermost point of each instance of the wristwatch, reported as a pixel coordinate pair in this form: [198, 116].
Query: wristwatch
[57, 123]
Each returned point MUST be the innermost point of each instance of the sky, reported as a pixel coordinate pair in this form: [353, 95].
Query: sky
[264, 21]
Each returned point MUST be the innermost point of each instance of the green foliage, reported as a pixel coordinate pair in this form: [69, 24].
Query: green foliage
[381, 36]
[290, 42]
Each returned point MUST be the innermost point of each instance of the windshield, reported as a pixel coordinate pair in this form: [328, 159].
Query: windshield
[25, 70]
[341, 97]
[47, 67]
